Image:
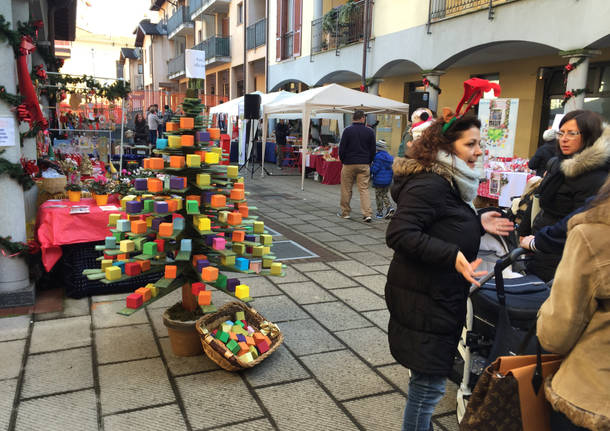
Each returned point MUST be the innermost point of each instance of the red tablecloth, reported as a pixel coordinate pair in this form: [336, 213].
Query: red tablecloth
[56, 227]
[330, 171]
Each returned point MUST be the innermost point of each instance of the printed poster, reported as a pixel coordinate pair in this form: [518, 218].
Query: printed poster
[194, 62]
[498, 126]
[7, 131]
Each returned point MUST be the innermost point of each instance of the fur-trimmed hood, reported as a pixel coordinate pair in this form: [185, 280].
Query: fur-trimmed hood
[404, 167]
[593, 157]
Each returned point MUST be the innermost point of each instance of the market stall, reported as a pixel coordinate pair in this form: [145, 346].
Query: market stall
[334, 99]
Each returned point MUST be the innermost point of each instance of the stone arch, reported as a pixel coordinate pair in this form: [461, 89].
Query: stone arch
[338, 77]
[277, 86]
[397, 67]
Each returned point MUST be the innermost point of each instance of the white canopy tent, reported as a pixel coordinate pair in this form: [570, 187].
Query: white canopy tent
[332, 98]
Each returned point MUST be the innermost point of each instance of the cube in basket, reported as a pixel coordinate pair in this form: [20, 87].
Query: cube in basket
[217, 351]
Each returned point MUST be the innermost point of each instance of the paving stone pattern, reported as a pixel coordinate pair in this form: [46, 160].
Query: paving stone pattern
[88, 368]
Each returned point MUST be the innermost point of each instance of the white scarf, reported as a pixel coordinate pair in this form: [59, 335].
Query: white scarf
[467, 179]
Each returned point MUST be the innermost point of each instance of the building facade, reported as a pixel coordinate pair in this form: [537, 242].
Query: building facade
[522, 44]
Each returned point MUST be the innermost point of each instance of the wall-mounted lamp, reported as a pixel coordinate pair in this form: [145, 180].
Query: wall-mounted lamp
[543, 72]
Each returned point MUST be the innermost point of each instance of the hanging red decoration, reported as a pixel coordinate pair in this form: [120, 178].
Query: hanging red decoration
[26, 88]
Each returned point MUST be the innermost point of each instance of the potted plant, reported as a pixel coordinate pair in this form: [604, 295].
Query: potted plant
[180, 320]
[74, 192]
[99, 189]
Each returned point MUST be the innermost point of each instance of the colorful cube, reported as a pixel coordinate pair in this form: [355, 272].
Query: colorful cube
[259, 227]
[257, 251]
[192, 207]
[204, 297]
[203, 179]
[144, 265]
[232, 171]
[253, 351]
[209, 274]
[141, 184]
[149, 248]
[149, 205]
[161, 144]
[187, 140]
[218, 243]
[243, 347]
[171, 126]
[212, 158]
[113, 273]
[266, 239]
[160, 245]
[187, 123]
[132, 269]
[218, 201]
[123, 225]
[238, 248]
[242, 291]
[112, 219]
[244, 211]
[234, 219]
[110, 242]
[202, 263]
[176, 162]
[170, 271]
[233, 346]
[166, 229]
[174, 141]
[127, 246]
[138, 226]
[197, 287]
[134, 300]
[267, 262]
[204, 224]
[156, 163]
[227, 260]
[223, 216]
[155, 185]
[222, 336]
[241, 263]
[193, 160]
[262, 346]
[196, 257]
[186, 245]
[256, 266]
[153, 289]
[238, 235]
[178, 223]
[221, 281]
[232, 283]
[106, 263]
[237, 195]
[276, 268]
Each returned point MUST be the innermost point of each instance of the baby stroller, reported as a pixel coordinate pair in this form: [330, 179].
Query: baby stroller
[499, 316]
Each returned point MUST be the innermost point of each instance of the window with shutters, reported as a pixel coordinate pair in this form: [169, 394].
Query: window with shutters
[288, 34]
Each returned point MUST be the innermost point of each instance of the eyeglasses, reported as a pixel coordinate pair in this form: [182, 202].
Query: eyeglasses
[569, 135]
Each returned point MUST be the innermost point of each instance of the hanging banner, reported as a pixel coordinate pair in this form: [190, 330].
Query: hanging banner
[7, 131]
[194, 62]
[498, 126]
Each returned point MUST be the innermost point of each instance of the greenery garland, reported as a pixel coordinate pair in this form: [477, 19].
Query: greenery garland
[427, 83]
[16, 172]
[13, 37]
[10, 99]
[117, 90]
[570, 67]
[13, 248]
[572, 93]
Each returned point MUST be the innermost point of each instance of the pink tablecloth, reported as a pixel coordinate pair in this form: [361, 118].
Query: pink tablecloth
[56, 227]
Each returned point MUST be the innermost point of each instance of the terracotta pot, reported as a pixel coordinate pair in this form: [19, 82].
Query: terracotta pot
[183, 337]
[101, 200]
[74, 195]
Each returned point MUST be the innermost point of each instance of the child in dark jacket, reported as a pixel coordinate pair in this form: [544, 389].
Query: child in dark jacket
[381, 174]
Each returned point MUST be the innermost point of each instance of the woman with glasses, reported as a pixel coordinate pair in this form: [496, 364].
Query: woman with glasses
[574, 175]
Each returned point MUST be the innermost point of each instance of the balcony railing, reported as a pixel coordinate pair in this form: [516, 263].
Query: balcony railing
[209, 7]
[339, 27]
[175, 67]
[215, 46]
[180, 18]
[256, 34]
[444, 9]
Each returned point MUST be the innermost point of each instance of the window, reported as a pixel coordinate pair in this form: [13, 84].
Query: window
[199, 39]
[119, 70]
[140, 68]
[240, 13]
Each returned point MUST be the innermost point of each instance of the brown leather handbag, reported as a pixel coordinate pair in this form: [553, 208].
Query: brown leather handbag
[509, 395]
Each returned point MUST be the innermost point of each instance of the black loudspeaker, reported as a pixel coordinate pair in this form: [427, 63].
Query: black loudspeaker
[252, 106]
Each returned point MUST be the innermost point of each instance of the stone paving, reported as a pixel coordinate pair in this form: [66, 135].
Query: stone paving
[88, 368]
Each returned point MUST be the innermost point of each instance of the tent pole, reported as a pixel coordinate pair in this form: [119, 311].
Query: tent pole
[305, 136]
[263, 144]
[122, 133]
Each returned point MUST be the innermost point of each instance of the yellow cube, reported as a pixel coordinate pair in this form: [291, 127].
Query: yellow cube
[223, 216]
[216, 150]
[204, 224]
[227, 260]
[203, 179]
[193, 160]
[153, 289]
[147, 196]
[254, 352]
[259, 227]
[211, 158]
[276, 268]
[112, 219]
[174, 141]
[242, 291]
[127, 246]
[106, 263]
[113, 273]
[258, 250]
[232, 171]
[266, 239]
[126, 199]
[149, 220]
[178, 203]
[266, 250]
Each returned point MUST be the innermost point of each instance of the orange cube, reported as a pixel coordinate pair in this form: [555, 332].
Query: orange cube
[155, 185]
[194, 198]
[171, 126]
[250, 341]
[243, 348]
[146, 163]
[172, 205]
[238, 186]
[187, 140]
[166, 229]
[145, 292]
[204, 297]
[209, 273]
[197, 257]
[122, 256]
[258, 337]
[243, 210]
[238, 236]
[234, 219]
[138, 226]
[214, 133]
[232, 336]
[237, 195]
[170, 271]
[218, 201]
[176, 162]
[156, 163]
[144, 264]
[187, 122]
[200, 154]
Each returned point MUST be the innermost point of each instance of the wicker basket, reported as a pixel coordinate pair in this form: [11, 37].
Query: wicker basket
[53, 185]
[217, 351]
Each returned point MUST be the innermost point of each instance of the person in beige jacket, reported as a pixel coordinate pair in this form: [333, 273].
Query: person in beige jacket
[575, 321]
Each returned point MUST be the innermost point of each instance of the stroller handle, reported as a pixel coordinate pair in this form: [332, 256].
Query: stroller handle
[501, 265]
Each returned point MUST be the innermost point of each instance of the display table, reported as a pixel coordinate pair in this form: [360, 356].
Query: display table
[330, 170]
[55, 226]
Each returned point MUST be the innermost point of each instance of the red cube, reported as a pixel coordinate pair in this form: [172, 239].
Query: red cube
[262, 346]
[132, 268]
[197, 287]
[108, 257]
[160, 245]
[134, 300]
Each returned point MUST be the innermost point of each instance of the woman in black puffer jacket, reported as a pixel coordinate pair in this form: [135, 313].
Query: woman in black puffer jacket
[435, 234]
[575, 175]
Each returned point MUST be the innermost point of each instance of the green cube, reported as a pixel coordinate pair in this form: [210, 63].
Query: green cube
[233, 346]
[139, 242]
[119, 236]
[240, 315]
[149, 206]
[150, 248]
[192, 207]
[239, 323]
[222, 336]
[221, 281]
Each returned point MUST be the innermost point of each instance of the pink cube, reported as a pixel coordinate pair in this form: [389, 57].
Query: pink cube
[197, 287]
[134, 300]
[256, 266]
[218, 243]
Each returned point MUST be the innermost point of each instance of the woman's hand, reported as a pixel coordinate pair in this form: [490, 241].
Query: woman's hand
[525, 241]
[495, 224]
[467, 269]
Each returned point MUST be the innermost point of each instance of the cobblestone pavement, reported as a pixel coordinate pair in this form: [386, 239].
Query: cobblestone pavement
[88, 368]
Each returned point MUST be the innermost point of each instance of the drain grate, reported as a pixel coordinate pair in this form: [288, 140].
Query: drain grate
[290, 250]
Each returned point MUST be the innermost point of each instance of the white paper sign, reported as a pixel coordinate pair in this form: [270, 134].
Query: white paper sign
[194, 61]
[498, 126]
[7, 131]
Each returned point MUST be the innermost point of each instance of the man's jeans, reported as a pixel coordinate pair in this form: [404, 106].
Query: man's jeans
[425, 391]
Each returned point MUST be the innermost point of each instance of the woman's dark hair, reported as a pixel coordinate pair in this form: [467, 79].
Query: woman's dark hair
[590, 125]
[433, 139]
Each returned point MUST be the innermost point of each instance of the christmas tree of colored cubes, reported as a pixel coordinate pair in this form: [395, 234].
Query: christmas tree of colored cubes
[190, 221]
